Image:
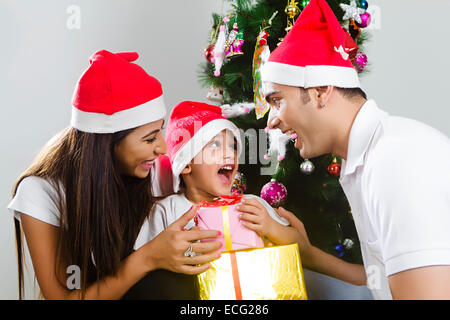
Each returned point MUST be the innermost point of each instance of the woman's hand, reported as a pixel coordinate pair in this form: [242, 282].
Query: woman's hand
[167, 250]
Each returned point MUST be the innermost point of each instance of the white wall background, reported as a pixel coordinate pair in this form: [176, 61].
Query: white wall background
[41, 60]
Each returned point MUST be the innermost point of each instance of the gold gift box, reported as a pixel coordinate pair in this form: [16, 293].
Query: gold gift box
[271, 273]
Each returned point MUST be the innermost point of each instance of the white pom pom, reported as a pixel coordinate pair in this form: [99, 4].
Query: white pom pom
[278, 141]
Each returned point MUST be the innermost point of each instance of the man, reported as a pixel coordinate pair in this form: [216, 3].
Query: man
[395, 171]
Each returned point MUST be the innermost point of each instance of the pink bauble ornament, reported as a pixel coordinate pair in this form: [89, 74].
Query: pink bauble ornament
[274, 192]
[361, 61]
[365, 20]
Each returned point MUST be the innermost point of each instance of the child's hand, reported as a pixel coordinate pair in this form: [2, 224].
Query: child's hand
[257, 218]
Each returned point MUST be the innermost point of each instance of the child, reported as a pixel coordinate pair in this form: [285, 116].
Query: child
[203, 148]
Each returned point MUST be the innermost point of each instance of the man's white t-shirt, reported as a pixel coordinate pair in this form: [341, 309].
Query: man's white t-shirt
[170, 209]
[397, 181]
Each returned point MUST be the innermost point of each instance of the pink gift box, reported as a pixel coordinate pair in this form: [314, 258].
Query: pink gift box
[225, 218]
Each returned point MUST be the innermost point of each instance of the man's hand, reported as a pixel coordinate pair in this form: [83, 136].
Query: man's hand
[302, 237]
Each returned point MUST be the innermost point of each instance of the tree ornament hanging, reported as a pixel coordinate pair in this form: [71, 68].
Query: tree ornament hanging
[353, 29]
[364, 4]
[209, 53]
[239, 184]
[307, 167]
[260, 57]
[361, 61]
[304, 3]
[237, 109]
[352, 11]
[219, 51]
[215, 94]
[334, 169]
[275, 193]
[291, 10]
[365, 18]
[339, 250]
[234, 43]
[348, 243]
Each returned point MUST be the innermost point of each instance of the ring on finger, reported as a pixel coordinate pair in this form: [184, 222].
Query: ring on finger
[189, 253]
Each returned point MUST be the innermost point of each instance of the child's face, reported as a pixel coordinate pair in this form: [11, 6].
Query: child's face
[213, 169]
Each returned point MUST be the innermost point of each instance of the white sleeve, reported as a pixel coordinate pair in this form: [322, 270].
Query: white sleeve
[412, 211]
[37, 198]
[153, 225]
[270, 210]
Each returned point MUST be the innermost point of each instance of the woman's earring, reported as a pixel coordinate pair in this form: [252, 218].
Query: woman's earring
[322, 105]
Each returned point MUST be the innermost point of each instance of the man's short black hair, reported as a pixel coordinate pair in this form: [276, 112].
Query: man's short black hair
[348, 93]
[352, 93]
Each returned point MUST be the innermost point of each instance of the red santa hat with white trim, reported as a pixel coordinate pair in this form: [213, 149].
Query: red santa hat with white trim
[190, 127]
[114, 94]
[316, 52]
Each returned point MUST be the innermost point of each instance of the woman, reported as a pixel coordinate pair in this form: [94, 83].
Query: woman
[84, 199]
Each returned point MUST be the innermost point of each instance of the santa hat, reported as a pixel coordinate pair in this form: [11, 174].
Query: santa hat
[316, 52]
[190, 127]
[114, 94]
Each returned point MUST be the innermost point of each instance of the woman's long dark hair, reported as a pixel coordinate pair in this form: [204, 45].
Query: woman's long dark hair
[101, 211]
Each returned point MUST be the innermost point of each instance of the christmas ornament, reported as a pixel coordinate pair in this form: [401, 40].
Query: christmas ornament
[354, 30]
[304, 3]
[209, 53]
[339, 250]
[237, 109]
[361, 61]
[219, 50]
[234, 43]
[334, 169]
[350, 47]
[239, 184]
[348, 243]
[365, 20]
[274, 192]
[260, 56]
[364, 4]
[215, 94]
[292, 10]
[352, 11]
[307, 167]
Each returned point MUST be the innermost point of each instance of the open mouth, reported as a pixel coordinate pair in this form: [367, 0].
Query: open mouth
[225, 173]
[294, 136]
[291, 133]
[147, 164]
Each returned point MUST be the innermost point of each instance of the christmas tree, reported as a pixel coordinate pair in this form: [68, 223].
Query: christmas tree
[238, 44]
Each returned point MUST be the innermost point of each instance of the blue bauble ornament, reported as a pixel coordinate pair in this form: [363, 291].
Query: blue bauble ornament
[364, 4]
[339, 250]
